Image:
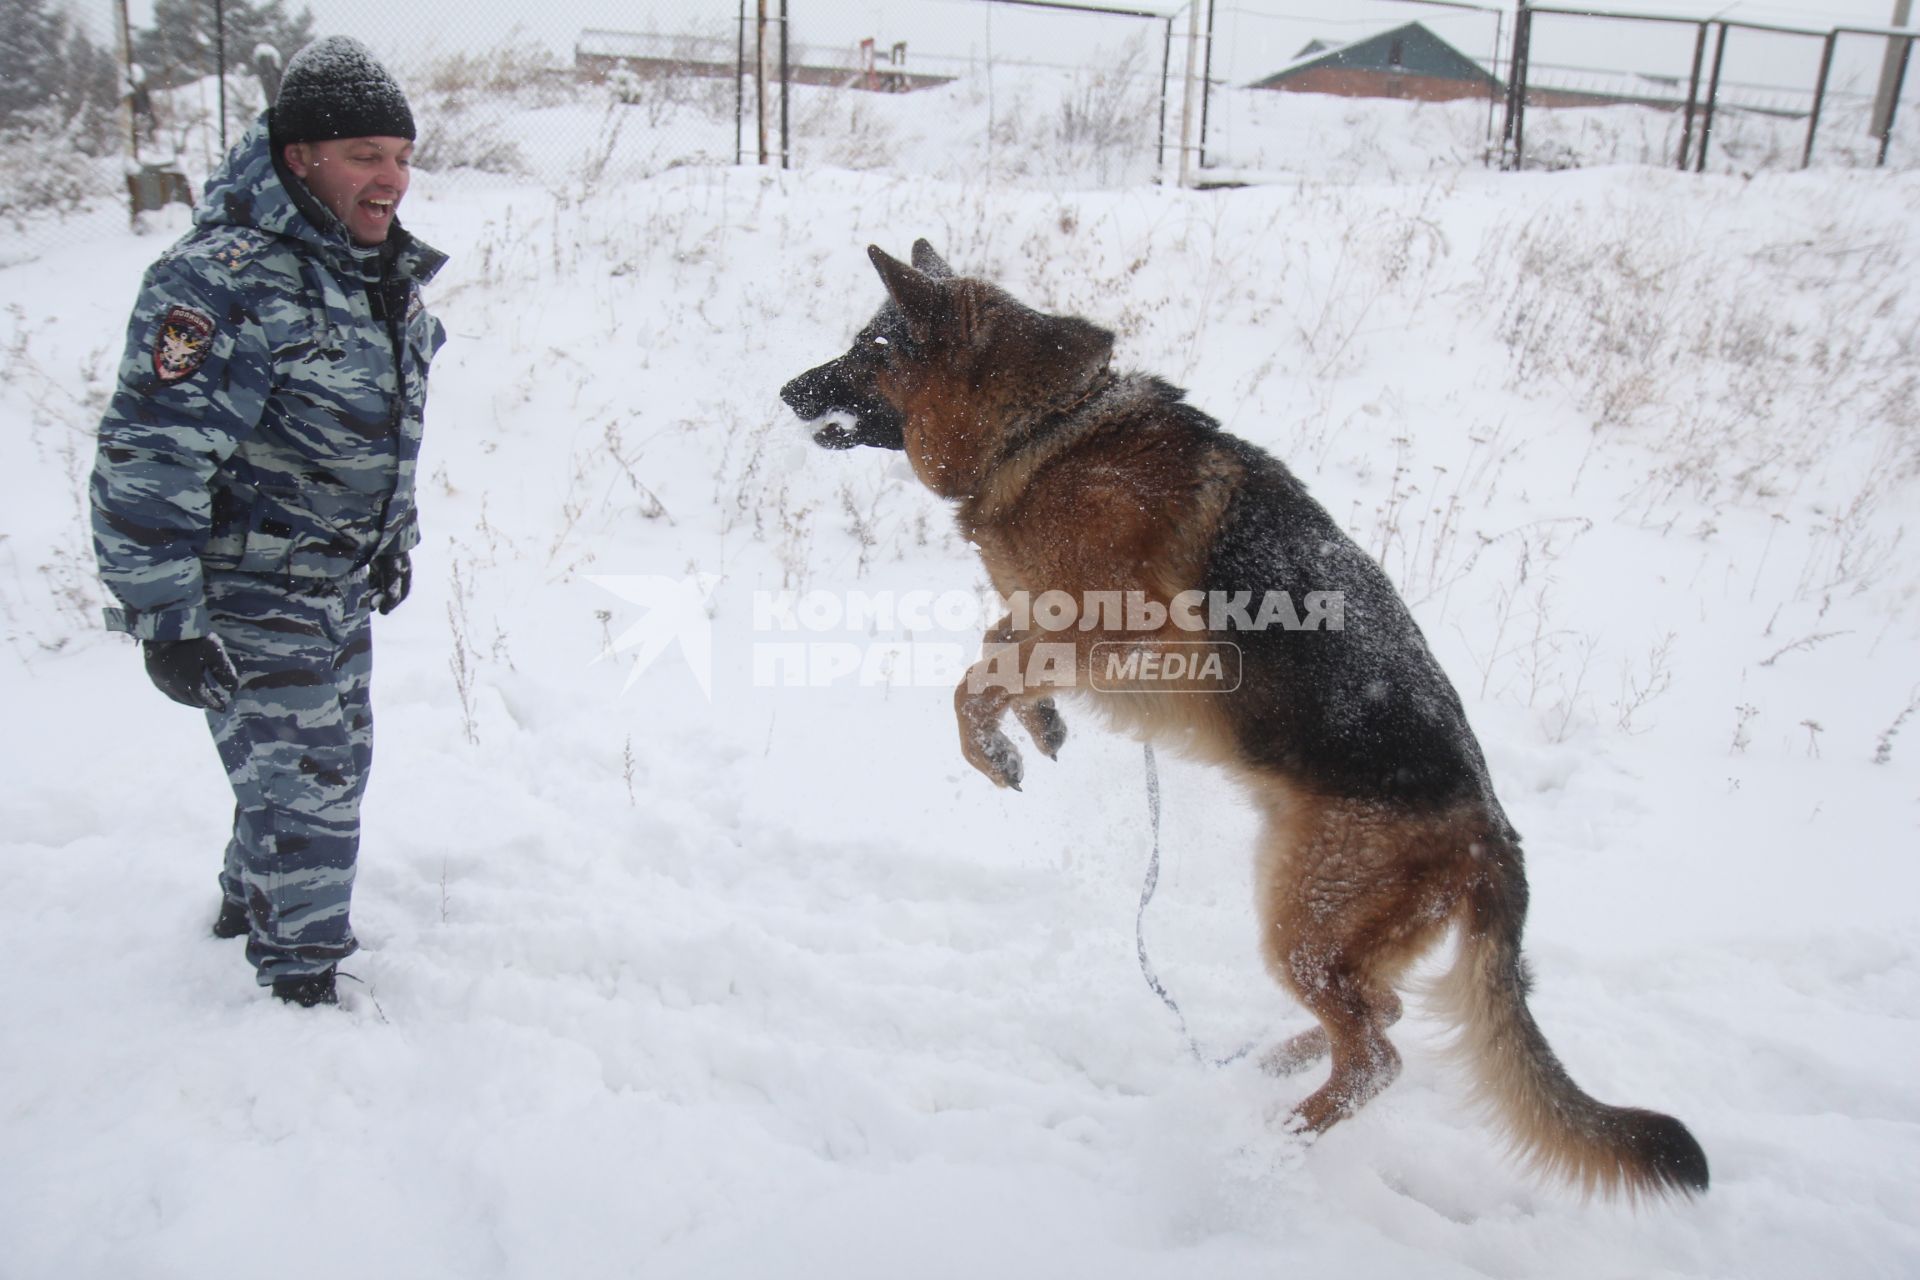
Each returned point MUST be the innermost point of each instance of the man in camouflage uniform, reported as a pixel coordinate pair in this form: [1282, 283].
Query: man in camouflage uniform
[253, 491]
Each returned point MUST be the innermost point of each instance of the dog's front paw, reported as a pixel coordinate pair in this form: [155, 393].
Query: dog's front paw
[1044, 725]
[993, 753]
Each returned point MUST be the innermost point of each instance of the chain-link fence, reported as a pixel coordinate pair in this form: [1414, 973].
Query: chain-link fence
[63, 141]
[1391, 87]
[105, 110]
[123, 114]
[971, 91]
[576, 94]
[1707, 94]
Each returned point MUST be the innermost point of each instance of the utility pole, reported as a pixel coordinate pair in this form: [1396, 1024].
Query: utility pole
[124, 30]
[1889, 72]
[127, 89]
[220, 57]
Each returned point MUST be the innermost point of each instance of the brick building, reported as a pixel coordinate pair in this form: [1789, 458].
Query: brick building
[1406, 62]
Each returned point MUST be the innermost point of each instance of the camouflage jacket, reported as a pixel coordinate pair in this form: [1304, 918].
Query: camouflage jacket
[267, 418]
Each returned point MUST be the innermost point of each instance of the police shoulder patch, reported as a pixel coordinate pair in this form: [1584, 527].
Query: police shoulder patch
[181, 343]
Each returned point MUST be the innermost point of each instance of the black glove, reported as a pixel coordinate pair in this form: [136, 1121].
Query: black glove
[194, 673]
[389, 578]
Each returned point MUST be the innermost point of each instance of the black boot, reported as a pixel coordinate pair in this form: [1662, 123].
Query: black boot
[307, 989]
[232, 920]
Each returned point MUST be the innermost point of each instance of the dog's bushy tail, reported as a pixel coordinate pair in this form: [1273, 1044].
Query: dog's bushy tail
[1550, 1121]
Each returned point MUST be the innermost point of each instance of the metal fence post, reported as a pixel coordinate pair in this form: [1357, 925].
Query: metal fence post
[740, 87]
[1206, 86]
[1713, 97]
[1693, 96]
[760, 79]
[1186, 97]
[1493, 88]
[1516, 126]
[1887, 91]
[1893, 100]
[785, 137]
[1166, 68]
[1819, 96]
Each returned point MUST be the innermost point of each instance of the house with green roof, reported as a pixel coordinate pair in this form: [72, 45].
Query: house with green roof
[1406, 62]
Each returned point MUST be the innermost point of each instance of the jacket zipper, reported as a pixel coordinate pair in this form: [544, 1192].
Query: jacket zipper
[377, 296]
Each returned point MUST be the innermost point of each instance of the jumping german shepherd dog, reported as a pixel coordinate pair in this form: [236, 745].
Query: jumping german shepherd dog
[1381, 826]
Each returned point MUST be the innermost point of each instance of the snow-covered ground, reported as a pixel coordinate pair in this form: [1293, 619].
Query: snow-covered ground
[770, 983]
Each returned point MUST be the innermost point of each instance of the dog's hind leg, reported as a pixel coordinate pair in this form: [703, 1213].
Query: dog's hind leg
[1298, 1052]
[1364, 1062]
[1350, 895]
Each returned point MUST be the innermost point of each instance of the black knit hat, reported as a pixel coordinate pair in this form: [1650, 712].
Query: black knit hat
[335, 88]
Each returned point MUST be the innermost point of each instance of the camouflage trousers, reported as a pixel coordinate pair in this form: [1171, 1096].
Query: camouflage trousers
[297, 744]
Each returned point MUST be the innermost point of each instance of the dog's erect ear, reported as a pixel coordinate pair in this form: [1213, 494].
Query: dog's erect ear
[915, 293]
[1065, 353]
[1082, 344]
[925, 259]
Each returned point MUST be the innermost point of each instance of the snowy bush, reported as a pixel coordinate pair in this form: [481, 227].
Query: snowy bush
[454, 135]
[43, 169]
[518, 67]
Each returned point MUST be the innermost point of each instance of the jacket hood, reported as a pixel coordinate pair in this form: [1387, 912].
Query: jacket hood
[251, 189]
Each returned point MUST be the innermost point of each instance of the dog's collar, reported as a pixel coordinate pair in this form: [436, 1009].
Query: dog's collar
[1043, 424]
[1095, 385]
[1044, 434]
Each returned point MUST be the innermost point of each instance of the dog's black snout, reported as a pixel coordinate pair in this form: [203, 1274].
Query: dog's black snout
[802, 395]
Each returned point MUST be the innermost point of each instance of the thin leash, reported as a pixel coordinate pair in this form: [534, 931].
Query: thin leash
[1147, 891]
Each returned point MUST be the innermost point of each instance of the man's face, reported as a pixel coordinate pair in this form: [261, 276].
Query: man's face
[361, 179]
